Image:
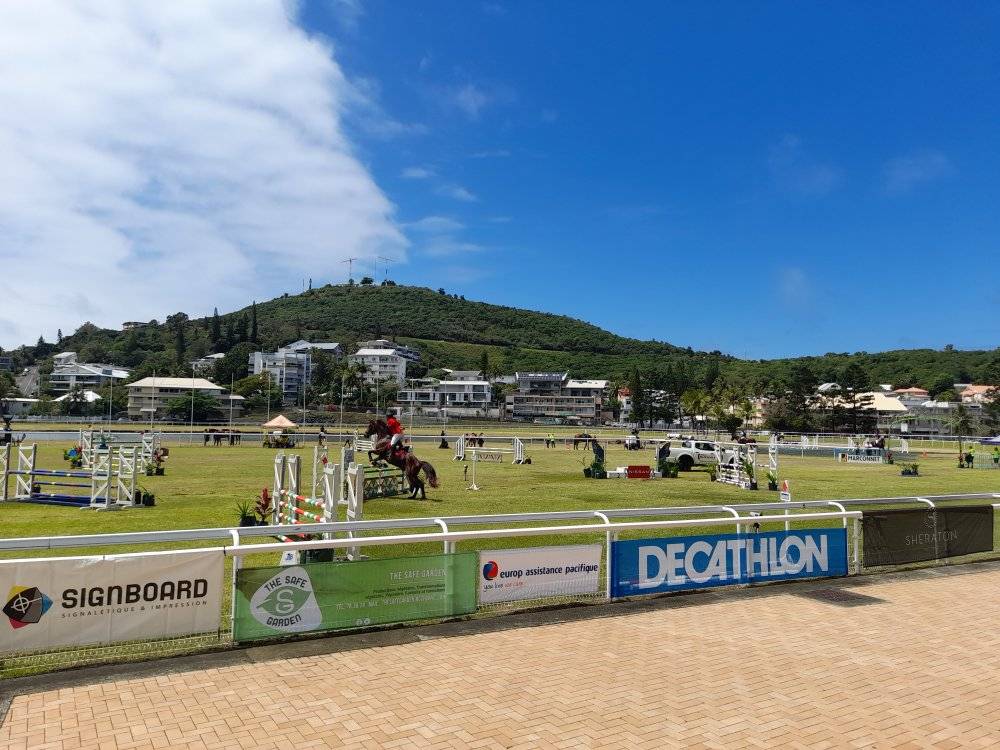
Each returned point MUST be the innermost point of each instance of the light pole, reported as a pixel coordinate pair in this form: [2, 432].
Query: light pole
[191, 428]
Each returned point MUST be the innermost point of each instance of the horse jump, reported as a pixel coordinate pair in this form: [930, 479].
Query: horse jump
[517, 449]
[110, 483]
[146, 446]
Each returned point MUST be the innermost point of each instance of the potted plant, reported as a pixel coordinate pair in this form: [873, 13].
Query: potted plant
[262, 510]
[713, 472]
[910, 470]
[772, 481]
[669, 469]
[597, 470]
[748, 470]
[150, 468]
[245, 509]
[148, 499]
[889, 458]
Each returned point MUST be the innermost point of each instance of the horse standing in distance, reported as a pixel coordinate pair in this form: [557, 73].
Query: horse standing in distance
[401, 458]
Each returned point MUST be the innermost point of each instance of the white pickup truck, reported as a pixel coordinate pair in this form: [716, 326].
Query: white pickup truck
[689, 453]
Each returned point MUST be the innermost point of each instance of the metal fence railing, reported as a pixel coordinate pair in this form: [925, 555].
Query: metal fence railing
[450, 534]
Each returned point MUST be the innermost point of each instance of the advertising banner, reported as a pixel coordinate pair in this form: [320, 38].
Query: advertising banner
[78, 601]
[651, 566]
[272, 602]
[895, 537]
[494, 457]
[507, 575]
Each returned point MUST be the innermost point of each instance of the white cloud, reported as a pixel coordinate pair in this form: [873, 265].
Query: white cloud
[417, 173]
[499, 219]
[794, 286]
[347, 13]
[905, 173]
[457, 192]
[497, 153]
[435, 224]
[439, 247]
[796, 171]
[162, 156]
[471, 100]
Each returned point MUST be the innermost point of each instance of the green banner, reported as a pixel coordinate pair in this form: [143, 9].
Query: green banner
[337, 595]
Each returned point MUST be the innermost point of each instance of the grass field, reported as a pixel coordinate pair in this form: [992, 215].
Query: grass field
[203, 485]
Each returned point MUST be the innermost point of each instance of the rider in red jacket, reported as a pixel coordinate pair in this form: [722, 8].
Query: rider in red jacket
[395, 429]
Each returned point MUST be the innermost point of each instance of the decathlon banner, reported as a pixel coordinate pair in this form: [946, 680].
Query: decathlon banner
[650, 566]
[272, 602]
[77, 601]
[894, 537]
[507, 575]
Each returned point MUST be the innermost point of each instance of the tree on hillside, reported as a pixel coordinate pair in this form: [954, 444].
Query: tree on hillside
[856, 385]
[484, 364]
[639, 399]
[180, 345]
[253, 322]
[942, 384]
[215, 334]
[367, 281]
[204, 406]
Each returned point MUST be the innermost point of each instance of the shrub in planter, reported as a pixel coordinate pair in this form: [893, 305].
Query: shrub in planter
[772, 481]
[669, 469]
[713, 472]
[911, 470]
[148, 499]
[588, 472]
[246, 516]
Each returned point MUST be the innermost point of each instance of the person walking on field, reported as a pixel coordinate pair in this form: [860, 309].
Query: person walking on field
[996, 456]
[395, 429]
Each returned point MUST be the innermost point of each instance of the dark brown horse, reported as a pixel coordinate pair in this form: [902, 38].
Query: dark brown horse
[401, 458]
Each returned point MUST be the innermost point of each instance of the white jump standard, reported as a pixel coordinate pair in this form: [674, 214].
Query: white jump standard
[110, 484]
[516, 450]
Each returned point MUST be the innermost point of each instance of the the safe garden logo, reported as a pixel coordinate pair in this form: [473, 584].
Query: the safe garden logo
[25, 606]
[287, 602]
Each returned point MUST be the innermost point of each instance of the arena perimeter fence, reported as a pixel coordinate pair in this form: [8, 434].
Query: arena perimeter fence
[249, 548]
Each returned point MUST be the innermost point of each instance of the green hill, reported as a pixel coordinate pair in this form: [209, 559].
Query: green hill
[454, 332]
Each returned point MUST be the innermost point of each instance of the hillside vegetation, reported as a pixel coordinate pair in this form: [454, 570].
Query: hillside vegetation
[454, 332]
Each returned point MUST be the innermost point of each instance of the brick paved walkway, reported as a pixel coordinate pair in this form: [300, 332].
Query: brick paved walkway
[767, 668]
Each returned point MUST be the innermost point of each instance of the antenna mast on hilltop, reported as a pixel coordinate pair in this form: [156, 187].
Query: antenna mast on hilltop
[387, 262]
[350, 267]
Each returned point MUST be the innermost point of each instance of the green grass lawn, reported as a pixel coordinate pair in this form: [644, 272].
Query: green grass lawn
[202, 486]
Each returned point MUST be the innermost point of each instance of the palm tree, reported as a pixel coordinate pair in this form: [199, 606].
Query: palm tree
[693, 402]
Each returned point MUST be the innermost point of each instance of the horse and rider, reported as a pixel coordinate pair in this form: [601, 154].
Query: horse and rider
[388, 448]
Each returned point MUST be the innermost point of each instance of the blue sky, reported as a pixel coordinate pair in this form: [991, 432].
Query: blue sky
[764, 179]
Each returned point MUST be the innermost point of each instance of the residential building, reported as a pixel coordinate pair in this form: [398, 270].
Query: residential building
[69, 374]
[978, 394]
[131, 325]
[148, 398]
[6, 362]
[17, 407]
[463, 374]
[291, 366]
[458, 397]
[553, 395]
[381, 364]
[206, 365]
[87, 397]
[406, 352]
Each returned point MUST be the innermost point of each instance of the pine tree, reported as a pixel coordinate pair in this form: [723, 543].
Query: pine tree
[59, 336]
[638, 397]
[180, 344]
[484, 364]
[216, 333]
[253, 322]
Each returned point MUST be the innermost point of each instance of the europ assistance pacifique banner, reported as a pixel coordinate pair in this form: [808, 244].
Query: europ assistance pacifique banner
[332, 596]
[650, 566]
[78, 601]
[507, 575]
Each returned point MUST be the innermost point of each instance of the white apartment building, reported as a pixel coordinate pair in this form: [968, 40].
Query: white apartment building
[148, 398]
[68, 374]
[404, 351]
[291, 366]
[554, 395]
[458, 397]
[381, 365]
[206, 365]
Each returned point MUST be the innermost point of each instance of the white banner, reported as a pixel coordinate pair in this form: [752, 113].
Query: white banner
[76, 601]
[507, 575]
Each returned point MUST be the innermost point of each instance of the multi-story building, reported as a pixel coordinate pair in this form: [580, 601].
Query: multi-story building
[206, 365]
[68, 374]
[458, 397]
[6, 362]
[554, 396]
[406, 352]
[291, 367]
[148, 398]
[381, 365]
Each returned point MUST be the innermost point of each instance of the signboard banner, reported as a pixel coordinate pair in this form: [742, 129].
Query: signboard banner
[79, 601]
[651, 566]
[272, 602]
[494, 457]
[507, 575]
[896, 537]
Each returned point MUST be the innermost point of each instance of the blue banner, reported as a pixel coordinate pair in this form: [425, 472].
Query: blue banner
[652, 566]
